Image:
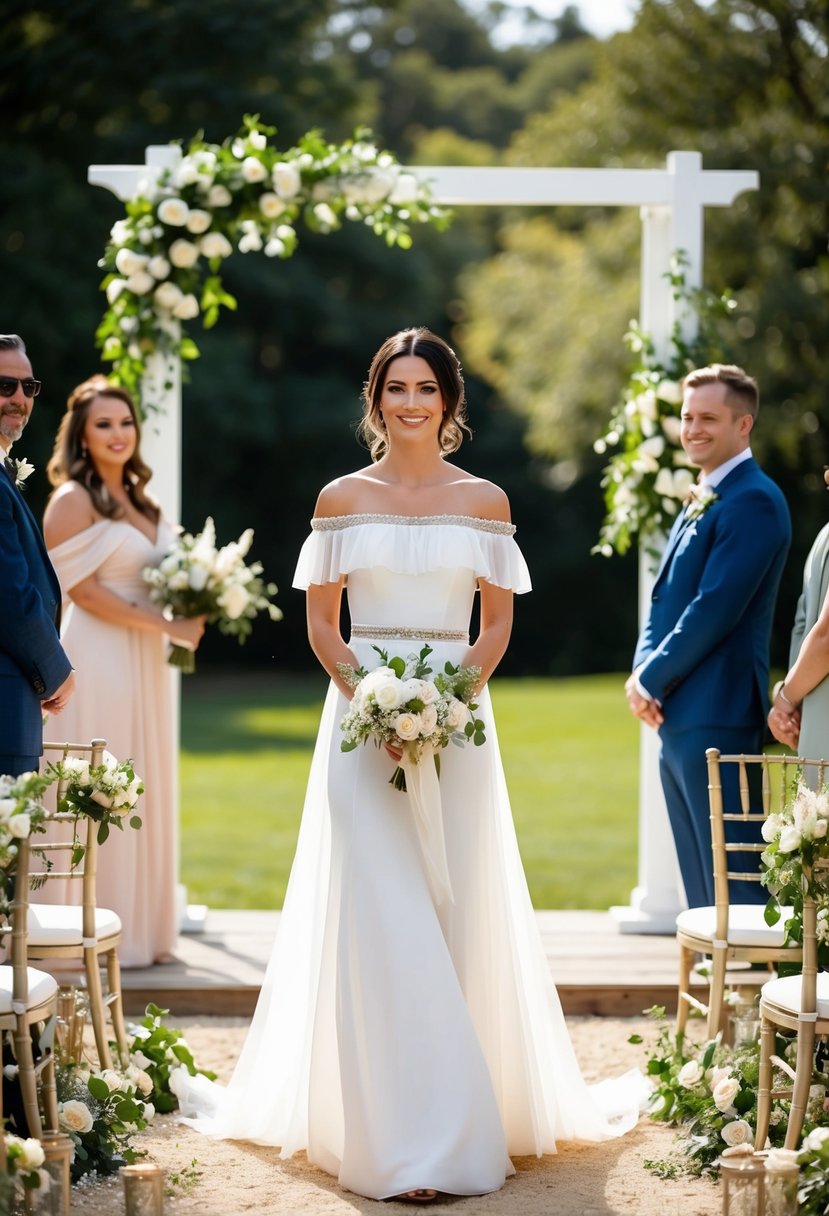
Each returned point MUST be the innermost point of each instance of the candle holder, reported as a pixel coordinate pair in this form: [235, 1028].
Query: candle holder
[143, 1190]
[760, 1184]
[58, 1152]
[73, 1008]
[744, 1022]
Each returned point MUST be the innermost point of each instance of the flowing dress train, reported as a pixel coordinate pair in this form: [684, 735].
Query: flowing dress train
[401, 1040]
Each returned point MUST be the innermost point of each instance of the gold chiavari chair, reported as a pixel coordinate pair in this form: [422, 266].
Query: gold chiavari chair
[799, 1003]
[28, 1000]
[85, 931]
[730, 932]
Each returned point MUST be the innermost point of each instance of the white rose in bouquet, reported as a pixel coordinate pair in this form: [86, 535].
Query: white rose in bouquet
[790, 839]
[234, 600]
[429, 719]
[197, 576]
[388, 694]
[407, 726]
[458, 714]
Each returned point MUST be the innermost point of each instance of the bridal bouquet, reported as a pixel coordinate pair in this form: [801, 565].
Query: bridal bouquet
[405, 704]
[194, 578]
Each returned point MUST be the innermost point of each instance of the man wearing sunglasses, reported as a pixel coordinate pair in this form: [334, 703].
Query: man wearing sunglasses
[35, 673]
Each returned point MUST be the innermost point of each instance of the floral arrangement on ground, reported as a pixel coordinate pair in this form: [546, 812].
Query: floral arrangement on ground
[648, 475]
[708, 1091]
[164, 258]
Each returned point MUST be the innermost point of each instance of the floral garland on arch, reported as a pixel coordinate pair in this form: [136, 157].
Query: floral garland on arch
[647, 475]
[164, 258]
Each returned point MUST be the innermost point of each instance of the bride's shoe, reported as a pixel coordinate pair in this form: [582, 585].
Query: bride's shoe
[421, 1195]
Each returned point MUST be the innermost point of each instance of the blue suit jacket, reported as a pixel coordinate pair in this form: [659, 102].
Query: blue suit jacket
[33, 664]
[704, 649]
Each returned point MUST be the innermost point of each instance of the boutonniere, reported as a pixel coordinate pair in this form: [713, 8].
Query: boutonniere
[22, 470]
[698, 500]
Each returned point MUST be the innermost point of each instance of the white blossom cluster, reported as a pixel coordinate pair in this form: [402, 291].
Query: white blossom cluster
[164, 258]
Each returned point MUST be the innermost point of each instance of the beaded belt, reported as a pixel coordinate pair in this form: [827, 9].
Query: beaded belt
[384, 632]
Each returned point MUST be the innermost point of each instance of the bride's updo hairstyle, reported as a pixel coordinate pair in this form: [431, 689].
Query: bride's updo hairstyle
[71, 461]
[447, 371]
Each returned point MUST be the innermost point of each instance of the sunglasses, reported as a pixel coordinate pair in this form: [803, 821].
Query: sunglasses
[8, 386]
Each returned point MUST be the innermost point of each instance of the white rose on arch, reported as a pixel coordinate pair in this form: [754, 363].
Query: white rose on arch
[187, 308]
[173, 211]
[219, 196]
[253, 170]
[167, 295]
[128, 262]
[286, 179]
[271, 205]
[198, 221]
[183, 254]
[215, 245]
[140, 283]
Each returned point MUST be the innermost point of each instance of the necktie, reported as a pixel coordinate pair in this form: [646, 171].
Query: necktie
[10, 467]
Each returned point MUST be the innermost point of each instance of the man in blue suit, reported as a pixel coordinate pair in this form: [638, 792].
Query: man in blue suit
[701, 668]
[35, 673]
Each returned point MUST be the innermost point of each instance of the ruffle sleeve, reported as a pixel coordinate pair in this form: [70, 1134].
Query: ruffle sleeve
[81, 555]
[412, 545]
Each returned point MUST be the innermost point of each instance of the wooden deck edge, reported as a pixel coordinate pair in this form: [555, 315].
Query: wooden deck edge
[600, 1000]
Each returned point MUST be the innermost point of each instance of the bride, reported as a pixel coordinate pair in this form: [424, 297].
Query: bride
[409, 1041]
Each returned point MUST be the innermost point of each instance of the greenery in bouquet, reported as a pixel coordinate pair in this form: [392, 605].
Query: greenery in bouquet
[647, 476]
[397, 703]
[164, 258]
[159, 1051]
[708, 1091]
[101, 1112]
[796, 842]
[21, 814]
[106, 792]
[195, 578]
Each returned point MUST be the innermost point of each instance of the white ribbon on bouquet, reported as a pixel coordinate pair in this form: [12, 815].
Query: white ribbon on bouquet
[423, 789]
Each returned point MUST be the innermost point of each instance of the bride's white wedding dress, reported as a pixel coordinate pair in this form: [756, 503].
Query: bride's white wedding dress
[406, 1044]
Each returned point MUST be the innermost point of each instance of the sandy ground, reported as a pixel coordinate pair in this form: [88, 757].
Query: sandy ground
[229, 1178]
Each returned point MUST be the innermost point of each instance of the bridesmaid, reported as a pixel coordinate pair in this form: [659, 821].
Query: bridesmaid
[102, 528]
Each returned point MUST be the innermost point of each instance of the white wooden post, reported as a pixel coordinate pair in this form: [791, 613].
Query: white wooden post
[672, 202]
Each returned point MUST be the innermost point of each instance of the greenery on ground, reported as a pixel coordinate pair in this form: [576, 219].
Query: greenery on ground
[570, 753]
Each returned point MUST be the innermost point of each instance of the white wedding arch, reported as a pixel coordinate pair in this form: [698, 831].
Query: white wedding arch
[672, 204]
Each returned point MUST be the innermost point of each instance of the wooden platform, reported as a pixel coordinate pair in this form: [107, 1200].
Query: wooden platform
[597, 969]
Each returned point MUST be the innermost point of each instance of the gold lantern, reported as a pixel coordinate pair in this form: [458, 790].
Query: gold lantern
[759, 1184]
[143, 1190]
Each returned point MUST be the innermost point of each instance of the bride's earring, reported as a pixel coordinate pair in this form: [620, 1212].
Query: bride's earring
[381, 420]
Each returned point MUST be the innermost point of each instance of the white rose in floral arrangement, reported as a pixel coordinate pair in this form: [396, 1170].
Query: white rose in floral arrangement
[20, 825]
[790, 839]
[672, 428]
[258, 140]
[253, 170]
[186, 308]
[215, 245]
[429, 719]
[458, 715]
[654, 446]
[724, 1093]
[325, 217]
[142, 1080]
[816, 1139]
[198, 221]
[78, 768]
[158, 267]
[140, 282]
[716, 1075]
[234, 601]
[407, 726]
[167, 295]
[647, 405]
[127, 261]
[197, 577]
[286, 179]
[75, 1116]
[665, 484]
[388, 694]
[219, 196]
[670, 391]
[250, 241]
[274, 248]
[113, 1080]
[271, 205]
[32, 1156]
[737, 1132]
[183, 254]
[114, 289]
[683, 480]
[174, 212]
[7, 806]
[690, 1074]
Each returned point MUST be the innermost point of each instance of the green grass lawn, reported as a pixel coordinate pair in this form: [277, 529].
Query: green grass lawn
[570, 750]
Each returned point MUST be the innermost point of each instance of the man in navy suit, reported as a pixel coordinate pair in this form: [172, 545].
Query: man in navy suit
[35, 673]
[701, 669]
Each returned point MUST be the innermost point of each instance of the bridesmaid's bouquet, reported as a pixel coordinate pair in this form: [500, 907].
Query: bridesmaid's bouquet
[195, 578]
[404, 703]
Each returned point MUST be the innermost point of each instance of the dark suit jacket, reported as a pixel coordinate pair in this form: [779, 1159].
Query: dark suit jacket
[33, 664]
[704, 649]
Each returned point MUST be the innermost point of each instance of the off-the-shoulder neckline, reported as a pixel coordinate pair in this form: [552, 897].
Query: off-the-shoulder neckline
[333, 523]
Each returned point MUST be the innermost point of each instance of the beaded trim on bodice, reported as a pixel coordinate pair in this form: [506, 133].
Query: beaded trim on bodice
[336, 523]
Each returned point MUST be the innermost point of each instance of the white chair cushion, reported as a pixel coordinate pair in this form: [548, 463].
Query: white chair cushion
[746, 926]
[62, 924]
[786, 993]
[41, 988]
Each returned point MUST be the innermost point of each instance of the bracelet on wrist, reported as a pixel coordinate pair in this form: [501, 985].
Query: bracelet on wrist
[781, 694]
